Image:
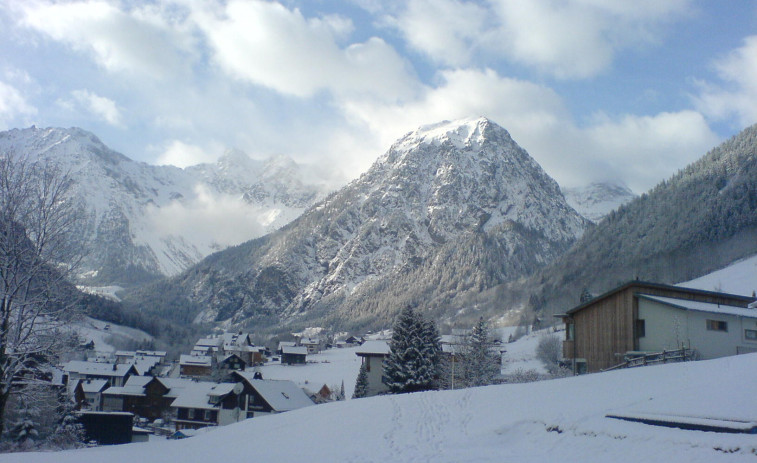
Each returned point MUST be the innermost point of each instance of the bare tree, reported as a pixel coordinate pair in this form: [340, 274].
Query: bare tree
[37, 222]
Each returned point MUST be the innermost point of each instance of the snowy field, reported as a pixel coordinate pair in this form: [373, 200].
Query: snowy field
[105, 334]
[560, 420]
[738, 278]
[330, 367]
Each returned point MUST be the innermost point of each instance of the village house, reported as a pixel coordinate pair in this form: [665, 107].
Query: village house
[270, 396]
[195, 366]
[283, 344]
[294, 355]
[203, 404]
[114, 374]
[640, 317]
[88, 394]
[373, 354]
[144, 396]
[313, 345]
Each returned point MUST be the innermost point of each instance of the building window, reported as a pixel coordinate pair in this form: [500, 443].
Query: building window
[750, 335]
[641, 329]
[367, 364]
[570, 329]
[207, 415]
[717, 325]
[191, 413]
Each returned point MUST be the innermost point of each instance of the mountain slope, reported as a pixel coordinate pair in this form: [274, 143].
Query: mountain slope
[145, 221]
[449, 210]
[701, 219]
[596, 200]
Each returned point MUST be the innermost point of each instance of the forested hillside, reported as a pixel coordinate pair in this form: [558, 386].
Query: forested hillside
[701, 219]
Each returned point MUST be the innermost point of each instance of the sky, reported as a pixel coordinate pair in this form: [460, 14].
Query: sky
[594, 90]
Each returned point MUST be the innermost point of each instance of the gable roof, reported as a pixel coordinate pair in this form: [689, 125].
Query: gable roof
[373, 348]
[93, 385]
[294, 350]
[702, 306]
[646, 284]
[99, 369]
[196, 360]
[198, 394]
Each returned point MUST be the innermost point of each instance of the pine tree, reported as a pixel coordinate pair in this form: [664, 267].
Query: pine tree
[69, 433]
[412, 364]
[480, 361]
[361, 386]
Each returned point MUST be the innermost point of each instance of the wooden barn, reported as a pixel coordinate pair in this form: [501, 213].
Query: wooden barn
[640, 316]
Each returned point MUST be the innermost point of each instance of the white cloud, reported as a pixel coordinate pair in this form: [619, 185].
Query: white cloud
[639, 150]
[446, 30]
[737, 94]
[567, 39]
[137, 40]
[267, 44]
[99, 106]
[13, 105]
[181, 154]
[197, 219]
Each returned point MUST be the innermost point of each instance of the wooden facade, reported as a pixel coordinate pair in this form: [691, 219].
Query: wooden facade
[601, 331]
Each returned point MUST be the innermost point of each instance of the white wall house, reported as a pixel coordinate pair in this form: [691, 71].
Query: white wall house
[713, 330]
[373, 354]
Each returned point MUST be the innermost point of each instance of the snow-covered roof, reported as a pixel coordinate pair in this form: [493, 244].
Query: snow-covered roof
[281, 395]
[151, 353]
[93, 385]
[209, 342]
[144, 364]
[125, 353]
[197, 360]
[124, 390]
[176, 385]
[373, 348]
[310, 341]
[703, 306]
[283, 344]
[97, 369]
[294, 350]
[197, 395]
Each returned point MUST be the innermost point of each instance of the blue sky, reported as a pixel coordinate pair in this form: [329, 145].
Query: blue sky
[595, 90]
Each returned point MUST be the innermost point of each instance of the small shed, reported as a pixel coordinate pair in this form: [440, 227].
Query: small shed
[294, 355]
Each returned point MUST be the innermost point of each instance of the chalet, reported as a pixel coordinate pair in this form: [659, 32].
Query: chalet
[144, 396]
[195, 366]
[114, 374]
[294, 355]
[373, 354]
[231, 362]
[270, 396]
[283, 344]
[208, 346]
[204, 404]
[313, 345]
[88, 394]
[641, 317]
[354, 341]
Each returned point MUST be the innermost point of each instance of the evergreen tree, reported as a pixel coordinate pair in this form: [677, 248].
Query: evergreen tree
[361, 386]
[412, 364]
[480, 360]
[69, 433]
[24, 429]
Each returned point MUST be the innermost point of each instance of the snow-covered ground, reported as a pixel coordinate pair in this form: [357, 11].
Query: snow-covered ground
[106, 335]
[330, 367]
[738, 278]
[560, 420]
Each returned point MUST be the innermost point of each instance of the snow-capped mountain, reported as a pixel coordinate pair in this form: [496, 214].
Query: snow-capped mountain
[450, 209]
[596, 200]
[143, 221]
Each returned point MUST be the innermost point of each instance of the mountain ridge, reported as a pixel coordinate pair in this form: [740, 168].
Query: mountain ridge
[460, 191]
[133, 209]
